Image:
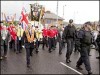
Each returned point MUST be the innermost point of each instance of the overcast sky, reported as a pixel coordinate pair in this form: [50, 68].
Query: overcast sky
[80, 11]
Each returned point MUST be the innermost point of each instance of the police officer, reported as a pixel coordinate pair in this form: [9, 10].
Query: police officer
[69, 35]
[29, 36]
[77, 41]
[85, 40]
[98, 43]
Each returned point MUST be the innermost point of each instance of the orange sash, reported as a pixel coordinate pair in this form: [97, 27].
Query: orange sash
[30, 38]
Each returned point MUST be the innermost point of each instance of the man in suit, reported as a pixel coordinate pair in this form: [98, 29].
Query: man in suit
[4, 39]
[29, 35]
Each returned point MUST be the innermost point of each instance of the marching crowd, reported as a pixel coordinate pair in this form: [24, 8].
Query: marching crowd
[79, 39]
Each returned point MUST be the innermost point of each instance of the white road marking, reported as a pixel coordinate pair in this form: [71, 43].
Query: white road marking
[71, 68]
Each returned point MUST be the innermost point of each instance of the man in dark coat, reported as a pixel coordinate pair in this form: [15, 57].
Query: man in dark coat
[69, 35]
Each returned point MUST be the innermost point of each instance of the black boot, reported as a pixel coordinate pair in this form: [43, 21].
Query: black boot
[78, 67]
[89, 73]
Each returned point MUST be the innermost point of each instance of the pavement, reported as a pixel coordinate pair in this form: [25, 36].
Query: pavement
[46, 63]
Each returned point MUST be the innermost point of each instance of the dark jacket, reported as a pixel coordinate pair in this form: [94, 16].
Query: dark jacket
[28, 44]
[98, 40]
[69, 32]
[85, 37]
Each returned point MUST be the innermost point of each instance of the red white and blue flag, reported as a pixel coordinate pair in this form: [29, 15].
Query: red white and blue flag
[24, 19]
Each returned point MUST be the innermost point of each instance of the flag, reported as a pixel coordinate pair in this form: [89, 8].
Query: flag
[24, 19]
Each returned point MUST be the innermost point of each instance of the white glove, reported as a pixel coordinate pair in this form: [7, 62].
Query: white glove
[3, 38]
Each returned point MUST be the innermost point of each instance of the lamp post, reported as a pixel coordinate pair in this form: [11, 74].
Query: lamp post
[63, 13]
[63, 10]
[57, 13]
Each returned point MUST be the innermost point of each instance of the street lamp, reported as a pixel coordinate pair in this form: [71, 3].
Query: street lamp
[57, 13]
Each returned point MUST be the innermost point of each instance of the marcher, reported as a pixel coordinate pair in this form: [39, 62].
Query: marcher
[60, 40]
[37, 43]
[51, 35]
[19, 39]
[45, 37]
[13, 33]
[29, 35]
[69, 35]
[4, 38]
[86, 41]
[55, 30]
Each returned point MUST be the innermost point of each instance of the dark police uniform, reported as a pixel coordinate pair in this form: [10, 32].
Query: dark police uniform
[85, 40]
[69, 35]
[29, 45]
[98, 43]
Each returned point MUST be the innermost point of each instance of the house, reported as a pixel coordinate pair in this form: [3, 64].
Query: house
[51, 18]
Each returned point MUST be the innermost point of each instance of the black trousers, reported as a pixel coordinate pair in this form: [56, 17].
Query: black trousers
[55, 42]
[45, 42]
[84, 58]
[19, 45]
[29, 49]
[70, 44]
[51, 43]
[37, 43]
[28, 54]
[12, 45]
[4, 49]
[60, 45]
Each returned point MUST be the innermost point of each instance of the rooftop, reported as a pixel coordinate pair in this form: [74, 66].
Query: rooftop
[49, 15]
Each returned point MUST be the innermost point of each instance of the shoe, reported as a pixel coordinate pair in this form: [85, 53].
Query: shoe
[20, 52]
[50, 51]
[70, 61]
[28, 66]
[37, 51]
[31, 54]
[78, 67]
[67, 60]
[89, 73]
[60, 53]
[98, 57]
[16, 52]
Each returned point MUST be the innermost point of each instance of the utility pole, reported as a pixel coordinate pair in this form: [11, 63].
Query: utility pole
[57, 13]
[63, 13]
[63, 10]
